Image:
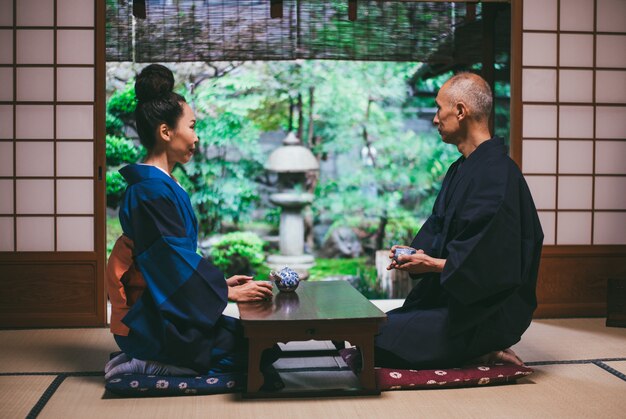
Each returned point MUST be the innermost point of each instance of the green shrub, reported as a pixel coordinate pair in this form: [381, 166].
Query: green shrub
[114, 231]
[114, 125]
[120, 150]
[123, 102]
[116, 185]
[401, 230]
[238, 253]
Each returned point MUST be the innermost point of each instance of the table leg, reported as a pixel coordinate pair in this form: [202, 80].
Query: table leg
[255, 376]
[367, 375]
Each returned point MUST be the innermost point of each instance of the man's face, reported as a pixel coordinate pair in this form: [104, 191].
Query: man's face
[446, 117]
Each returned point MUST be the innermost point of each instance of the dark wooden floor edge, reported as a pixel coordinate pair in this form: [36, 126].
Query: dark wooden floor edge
[573, 361]
[67, 374]
[46, 396]
[613, 371]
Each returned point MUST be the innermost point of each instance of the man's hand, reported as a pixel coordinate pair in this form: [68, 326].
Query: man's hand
[235, 280]
[418, 263]
[250, 291]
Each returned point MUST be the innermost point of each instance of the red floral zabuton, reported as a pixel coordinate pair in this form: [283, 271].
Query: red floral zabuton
[468, 376]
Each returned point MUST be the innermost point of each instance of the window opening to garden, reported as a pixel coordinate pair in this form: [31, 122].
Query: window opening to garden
[359, 94]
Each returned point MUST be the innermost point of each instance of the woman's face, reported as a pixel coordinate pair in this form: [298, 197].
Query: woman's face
[183, 138]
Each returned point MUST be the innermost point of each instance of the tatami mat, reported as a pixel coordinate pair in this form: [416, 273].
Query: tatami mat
[55, 350]
[18, 394]
[569, 339]
[555, 391]
[579, 372]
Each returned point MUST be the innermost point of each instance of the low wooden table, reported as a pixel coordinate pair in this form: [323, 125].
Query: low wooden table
[329, 310]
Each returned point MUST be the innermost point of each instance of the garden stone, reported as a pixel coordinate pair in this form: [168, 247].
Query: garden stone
[342, 242]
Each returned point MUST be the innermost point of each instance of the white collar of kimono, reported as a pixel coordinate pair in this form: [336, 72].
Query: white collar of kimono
[168, 175]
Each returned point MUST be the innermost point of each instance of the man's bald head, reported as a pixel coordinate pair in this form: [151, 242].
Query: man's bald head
[472, 90]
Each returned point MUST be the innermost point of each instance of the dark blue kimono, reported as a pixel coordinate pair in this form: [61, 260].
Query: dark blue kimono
[178, 319]
[484, 223]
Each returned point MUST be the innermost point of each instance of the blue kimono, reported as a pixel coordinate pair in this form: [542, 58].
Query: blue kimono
[178, 319]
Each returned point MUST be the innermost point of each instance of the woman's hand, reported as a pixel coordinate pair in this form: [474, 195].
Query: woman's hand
[417, 263]
[250, 291]
[235, 280]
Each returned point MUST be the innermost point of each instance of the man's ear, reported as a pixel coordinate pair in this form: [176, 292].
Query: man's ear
[461, 111]
[163, 131]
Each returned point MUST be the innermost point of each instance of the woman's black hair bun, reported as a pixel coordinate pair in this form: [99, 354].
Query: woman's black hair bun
[153, 82]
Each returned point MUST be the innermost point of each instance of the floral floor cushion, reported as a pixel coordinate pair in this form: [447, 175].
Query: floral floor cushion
[140, 385]
[468, 376]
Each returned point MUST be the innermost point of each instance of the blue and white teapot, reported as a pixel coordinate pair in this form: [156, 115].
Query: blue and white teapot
[286, 279]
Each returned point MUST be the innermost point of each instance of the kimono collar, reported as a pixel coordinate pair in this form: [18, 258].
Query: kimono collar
[495, 144]
[135, 173]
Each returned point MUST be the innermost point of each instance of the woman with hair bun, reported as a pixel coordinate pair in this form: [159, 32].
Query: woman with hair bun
[167, 301]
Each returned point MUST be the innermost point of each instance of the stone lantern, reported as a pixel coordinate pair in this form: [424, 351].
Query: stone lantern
[291, 161]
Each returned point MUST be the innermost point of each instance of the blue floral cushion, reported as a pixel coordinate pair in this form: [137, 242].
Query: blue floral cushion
[141, 385]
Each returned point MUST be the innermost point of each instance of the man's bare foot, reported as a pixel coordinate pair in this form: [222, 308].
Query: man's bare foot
[506, 356]
[509, 357]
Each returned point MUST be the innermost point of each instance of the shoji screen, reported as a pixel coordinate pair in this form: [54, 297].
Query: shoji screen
[51, 187]
[573, 103]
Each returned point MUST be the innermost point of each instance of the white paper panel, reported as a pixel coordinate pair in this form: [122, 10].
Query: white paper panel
[75, 234]
[540, 14]
[576, 122]
[576, 86]
[539, 49]
[35, 234]
[35, 12]
[539, 121]
[575, 192]
[6, 46]
[543, 190]
[6, 196]
[75, 47]
[35, 46]
[74, 158]
[610, 157]
[611, 51]
[609, 228]
[34, 158]
[36, 84]
[539, 156]
[6, 121]
[6, 81]
[74, 121]
[573, 228]
[575, 157]
[75, 196]
[610, 192]
[75, 13]
[75, 84]
[538, 85]
[35, 121]
[611, 86]
[6, 12]
[577, 15]
[576, 50]
[611, 16]
[6, 158]
[548, 225]
[34, 196]
[611, 122]
[6, 234]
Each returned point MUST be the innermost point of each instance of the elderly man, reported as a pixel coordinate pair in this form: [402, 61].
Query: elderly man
[477, 255]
